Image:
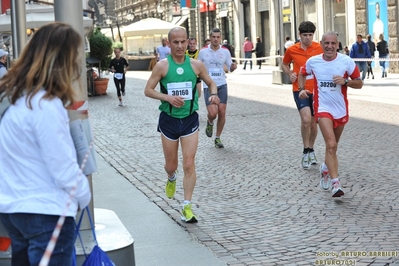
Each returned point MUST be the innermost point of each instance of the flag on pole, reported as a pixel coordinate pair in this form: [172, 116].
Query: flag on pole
[188, 3]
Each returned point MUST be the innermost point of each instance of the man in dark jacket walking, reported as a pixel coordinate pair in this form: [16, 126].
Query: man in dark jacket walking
[371, 45]
[230, 48]
[360, 50]
[258, 51]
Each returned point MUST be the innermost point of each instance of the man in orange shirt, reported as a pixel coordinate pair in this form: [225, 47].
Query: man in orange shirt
[298, 54]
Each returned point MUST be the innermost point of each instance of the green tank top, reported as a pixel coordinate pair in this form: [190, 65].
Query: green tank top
[181, 81]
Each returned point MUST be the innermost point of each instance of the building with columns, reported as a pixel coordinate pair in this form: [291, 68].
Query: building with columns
[271, 20]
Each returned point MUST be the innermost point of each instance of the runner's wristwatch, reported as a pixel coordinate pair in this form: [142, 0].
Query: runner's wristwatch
[301, 89]
[346, 82]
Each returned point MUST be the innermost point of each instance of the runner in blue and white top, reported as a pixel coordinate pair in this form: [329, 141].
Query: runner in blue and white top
[216, 57]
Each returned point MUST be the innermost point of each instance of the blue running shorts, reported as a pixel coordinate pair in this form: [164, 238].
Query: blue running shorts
[300, 103]
[175, 128]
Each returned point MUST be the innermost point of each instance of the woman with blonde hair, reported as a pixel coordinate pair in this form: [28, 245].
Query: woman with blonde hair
[37, 155]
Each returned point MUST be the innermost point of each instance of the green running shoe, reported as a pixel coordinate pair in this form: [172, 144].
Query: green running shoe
[208, 129]
[170, 189]
[188, 215]
[218, 143]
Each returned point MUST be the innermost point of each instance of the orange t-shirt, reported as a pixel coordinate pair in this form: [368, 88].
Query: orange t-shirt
[299, 57]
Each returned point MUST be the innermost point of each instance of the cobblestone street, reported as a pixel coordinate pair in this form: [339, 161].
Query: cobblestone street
[255, 203]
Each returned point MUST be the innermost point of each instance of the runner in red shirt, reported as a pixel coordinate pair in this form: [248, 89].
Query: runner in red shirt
[331, 72]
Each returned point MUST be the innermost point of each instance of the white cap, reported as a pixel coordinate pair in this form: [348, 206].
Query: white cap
[3, 53]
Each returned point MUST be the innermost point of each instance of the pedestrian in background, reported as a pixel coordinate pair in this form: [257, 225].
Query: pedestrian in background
[163, 50]
[339, 49]
[346, 50]
[360, 50]
[207, 42]
[215, 59]
[178, 121]
[259, 51]
[3, 62]
[288, 43]
[119, 66]
[230, 48]
[371, 45]
[298, 54]
[248, 47]
[38, 157]
[332, 71]
[382, 48]
[193, 52]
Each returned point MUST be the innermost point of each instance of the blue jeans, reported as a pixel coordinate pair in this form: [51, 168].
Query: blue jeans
[362, 65]
[30, 234]
[248, 55]
[382, 64]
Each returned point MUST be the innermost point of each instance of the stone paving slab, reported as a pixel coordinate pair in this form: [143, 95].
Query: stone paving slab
[255, 203]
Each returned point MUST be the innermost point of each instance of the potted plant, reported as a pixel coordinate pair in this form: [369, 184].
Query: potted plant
[100, 48]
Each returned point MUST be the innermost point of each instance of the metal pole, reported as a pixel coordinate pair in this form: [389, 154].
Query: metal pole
[199, 34]
[112, 32]
[119, 31]
[18, 26]
[208, 23]
[294, 11]
[280, 29]
[71, 12]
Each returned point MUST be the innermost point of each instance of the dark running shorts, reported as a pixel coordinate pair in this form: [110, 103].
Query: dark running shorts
[300, 103]
[175, 128]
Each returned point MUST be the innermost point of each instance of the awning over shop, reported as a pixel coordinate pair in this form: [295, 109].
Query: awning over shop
[175, 20]
[148, 26]
[36, 16]
[182, 20]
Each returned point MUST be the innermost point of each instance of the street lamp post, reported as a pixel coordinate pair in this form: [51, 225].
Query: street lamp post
[18, 26]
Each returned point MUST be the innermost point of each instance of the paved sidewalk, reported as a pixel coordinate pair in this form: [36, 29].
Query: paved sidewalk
[158, 240]
[256, 205]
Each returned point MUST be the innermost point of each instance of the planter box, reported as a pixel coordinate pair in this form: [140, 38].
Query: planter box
[101, 86]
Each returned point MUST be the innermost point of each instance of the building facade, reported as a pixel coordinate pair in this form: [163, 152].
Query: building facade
[271, 20]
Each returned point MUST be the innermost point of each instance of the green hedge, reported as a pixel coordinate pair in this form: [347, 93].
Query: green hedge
[101, 48]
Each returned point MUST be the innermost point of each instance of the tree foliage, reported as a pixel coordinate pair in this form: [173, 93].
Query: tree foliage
[117, 45]
[101, 48]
